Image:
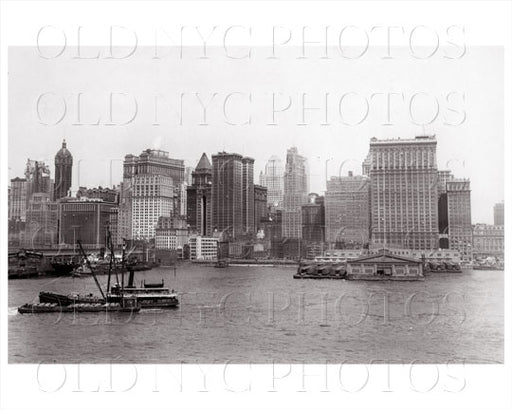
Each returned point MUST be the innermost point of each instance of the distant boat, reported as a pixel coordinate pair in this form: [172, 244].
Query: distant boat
[62, 268]
[488, 267]
[223, 263]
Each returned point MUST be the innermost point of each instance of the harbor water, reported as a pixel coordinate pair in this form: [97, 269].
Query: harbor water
[258, 314]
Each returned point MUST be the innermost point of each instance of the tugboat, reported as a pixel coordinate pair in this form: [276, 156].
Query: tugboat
[50, 302]
[148, 295]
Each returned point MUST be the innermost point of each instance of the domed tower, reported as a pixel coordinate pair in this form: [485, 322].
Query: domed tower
[63, 167]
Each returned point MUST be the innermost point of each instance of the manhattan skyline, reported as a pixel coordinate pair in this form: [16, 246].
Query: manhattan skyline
[471, 150]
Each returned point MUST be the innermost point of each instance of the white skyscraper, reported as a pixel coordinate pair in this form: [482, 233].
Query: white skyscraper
[272, 178]
[153, 186]
[296, 188]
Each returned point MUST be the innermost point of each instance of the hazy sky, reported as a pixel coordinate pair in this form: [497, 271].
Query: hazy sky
[68, 97]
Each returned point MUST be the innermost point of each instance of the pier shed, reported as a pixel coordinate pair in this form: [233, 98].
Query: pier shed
[384, 266]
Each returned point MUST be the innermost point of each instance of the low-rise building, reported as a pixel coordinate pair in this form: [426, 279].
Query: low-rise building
[171, 233]
[203, 248]
[488, 240]
[428, 255]
[384, 266]
[87, 220]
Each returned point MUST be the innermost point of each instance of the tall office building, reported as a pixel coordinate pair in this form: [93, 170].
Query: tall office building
[442, 207]
[367, 164]
[248, 195]
[124, 216]
[18, 199]
[42, 221]
[199, 198]
[233, 194]
[295, 195]
[188, 175]
[460, 230]
[154, 162]
[260, 206]
[37, 174]
[443, 177]
[404, 192]
[313, 219]
[499, 214]
[63, 172]
[347, 211]
[272, 178]
[151, 188]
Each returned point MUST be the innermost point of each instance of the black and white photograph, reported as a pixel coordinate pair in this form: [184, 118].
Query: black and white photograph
[224, 205]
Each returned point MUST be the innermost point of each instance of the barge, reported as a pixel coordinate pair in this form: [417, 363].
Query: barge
[309, 270]
[128, 304]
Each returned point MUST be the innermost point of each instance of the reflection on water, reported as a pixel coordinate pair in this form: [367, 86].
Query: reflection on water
[261, 314]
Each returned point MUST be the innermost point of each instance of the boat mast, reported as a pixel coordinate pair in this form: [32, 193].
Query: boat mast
[108, 244]
[90, 267]
[112, 253]
[123, 265]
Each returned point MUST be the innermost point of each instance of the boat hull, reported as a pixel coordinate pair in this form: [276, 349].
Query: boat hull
[67, 300]
[62, 269]
[75, 308]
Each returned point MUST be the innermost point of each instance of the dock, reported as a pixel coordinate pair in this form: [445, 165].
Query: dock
[377, 267]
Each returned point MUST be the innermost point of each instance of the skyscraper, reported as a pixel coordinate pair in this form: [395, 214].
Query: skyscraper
[460, 230]
[347, 210]
[18, 199]
[313, 219]
[37, 174]
[295, 195]
[151, 188]
[260, 206]
[199, 198]
[442, 207]
[272, 178]
[63, 172]
[227, 194]
[404, 192]
[42, 221]
[248, 195]
[499, 214]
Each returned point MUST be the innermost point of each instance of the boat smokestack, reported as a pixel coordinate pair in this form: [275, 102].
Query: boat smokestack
[130, 278]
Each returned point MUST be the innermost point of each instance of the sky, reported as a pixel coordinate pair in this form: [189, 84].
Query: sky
[257, 106]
